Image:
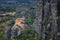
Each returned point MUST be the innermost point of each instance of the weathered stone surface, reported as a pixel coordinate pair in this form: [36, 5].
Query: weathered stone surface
[45, 9]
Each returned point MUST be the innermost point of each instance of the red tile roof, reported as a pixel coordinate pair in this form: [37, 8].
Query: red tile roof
[19, 20]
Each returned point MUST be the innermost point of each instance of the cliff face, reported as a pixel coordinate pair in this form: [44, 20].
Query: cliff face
[46, 13]
[37, 22]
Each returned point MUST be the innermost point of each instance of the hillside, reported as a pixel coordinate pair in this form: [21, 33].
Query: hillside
[42, 19]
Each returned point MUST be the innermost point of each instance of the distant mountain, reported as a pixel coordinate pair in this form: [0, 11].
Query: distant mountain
[15, 2]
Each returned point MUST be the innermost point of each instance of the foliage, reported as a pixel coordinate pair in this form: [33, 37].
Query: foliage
[28, 35]
[2, 37]
[58, 23]
[2, 26]
[29, 19]
[10, 22]
[7, 8]
[31, 16]
[51, 36]
[6, 21]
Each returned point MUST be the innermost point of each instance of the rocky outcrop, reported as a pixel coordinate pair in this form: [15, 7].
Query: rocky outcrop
[7, 31]
[15, 31]
[37, 22]
[46, 13]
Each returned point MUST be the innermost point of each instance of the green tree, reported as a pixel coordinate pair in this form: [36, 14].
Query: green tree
[28, 35]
